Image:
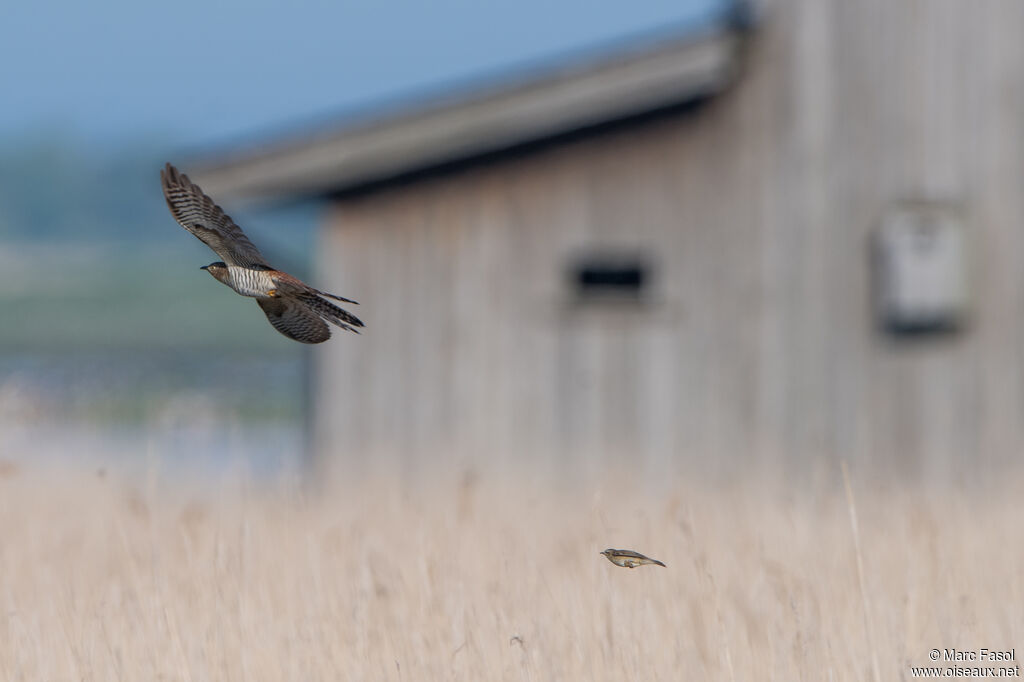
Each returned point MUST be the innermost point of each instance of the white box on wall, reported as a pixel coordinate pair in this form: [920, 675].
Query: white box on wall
[920, 269]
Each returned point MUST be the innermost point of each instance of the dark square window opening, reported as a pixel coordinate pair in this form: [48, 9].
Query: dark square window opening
[610, 277]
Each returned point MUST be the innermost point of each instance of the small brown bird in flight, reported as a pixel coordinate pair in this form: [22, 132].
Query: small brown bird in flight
[627, 558]
[294, 308]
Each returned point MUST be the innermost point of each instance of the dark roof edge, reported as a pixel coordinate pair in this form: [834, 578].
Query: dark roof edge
[442, 134]
[688, 107]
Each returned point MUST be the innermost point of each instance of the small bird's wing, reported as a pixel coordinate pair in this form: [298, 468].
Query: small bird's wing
[637, 555]
[294, 319]
[197, 213]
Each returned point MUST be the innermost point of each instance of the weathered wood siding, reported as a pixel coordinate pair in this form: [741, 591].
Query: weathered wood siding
[760, 342]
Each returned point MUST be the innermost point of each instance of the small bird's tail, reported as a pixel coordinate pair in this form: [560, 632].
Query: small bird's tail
[655, 561]
[333, 313]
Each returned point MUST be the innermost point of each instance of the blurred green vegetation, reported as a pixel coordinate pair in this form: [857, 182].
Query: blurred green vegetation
[93, 259]
[90, 336]
[82, 297]
[107, 316]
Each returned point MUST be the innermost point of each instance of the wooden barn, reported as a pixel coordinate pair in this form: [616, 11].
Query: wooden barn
[769, 242]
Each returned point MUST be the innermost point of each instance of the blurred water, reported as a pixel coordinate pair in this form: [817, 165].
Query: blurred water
[188, 409]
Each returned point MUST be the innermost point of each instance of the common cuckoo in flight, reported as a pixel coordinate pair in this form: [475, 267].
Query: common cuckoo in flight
[294, 308]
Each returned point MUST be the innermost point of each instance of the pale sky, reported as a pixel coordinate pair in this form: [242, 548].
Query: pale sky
[210, 72]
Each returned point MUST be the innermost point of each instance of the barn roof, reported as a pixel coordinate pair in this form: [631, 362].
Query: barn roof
[630, 81]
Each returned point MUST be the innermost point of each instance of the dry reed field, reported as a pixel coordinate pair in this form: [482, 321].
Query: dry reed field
[477, 577]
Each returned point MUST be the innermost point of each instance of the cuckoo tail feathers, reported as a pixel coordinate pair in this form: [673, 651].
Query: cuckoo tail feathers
[337, 298]
[333, 313]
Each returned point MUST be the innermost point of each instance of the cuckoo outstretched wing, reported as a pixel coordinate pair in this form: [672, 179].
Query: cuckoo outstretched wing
[198, 214]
